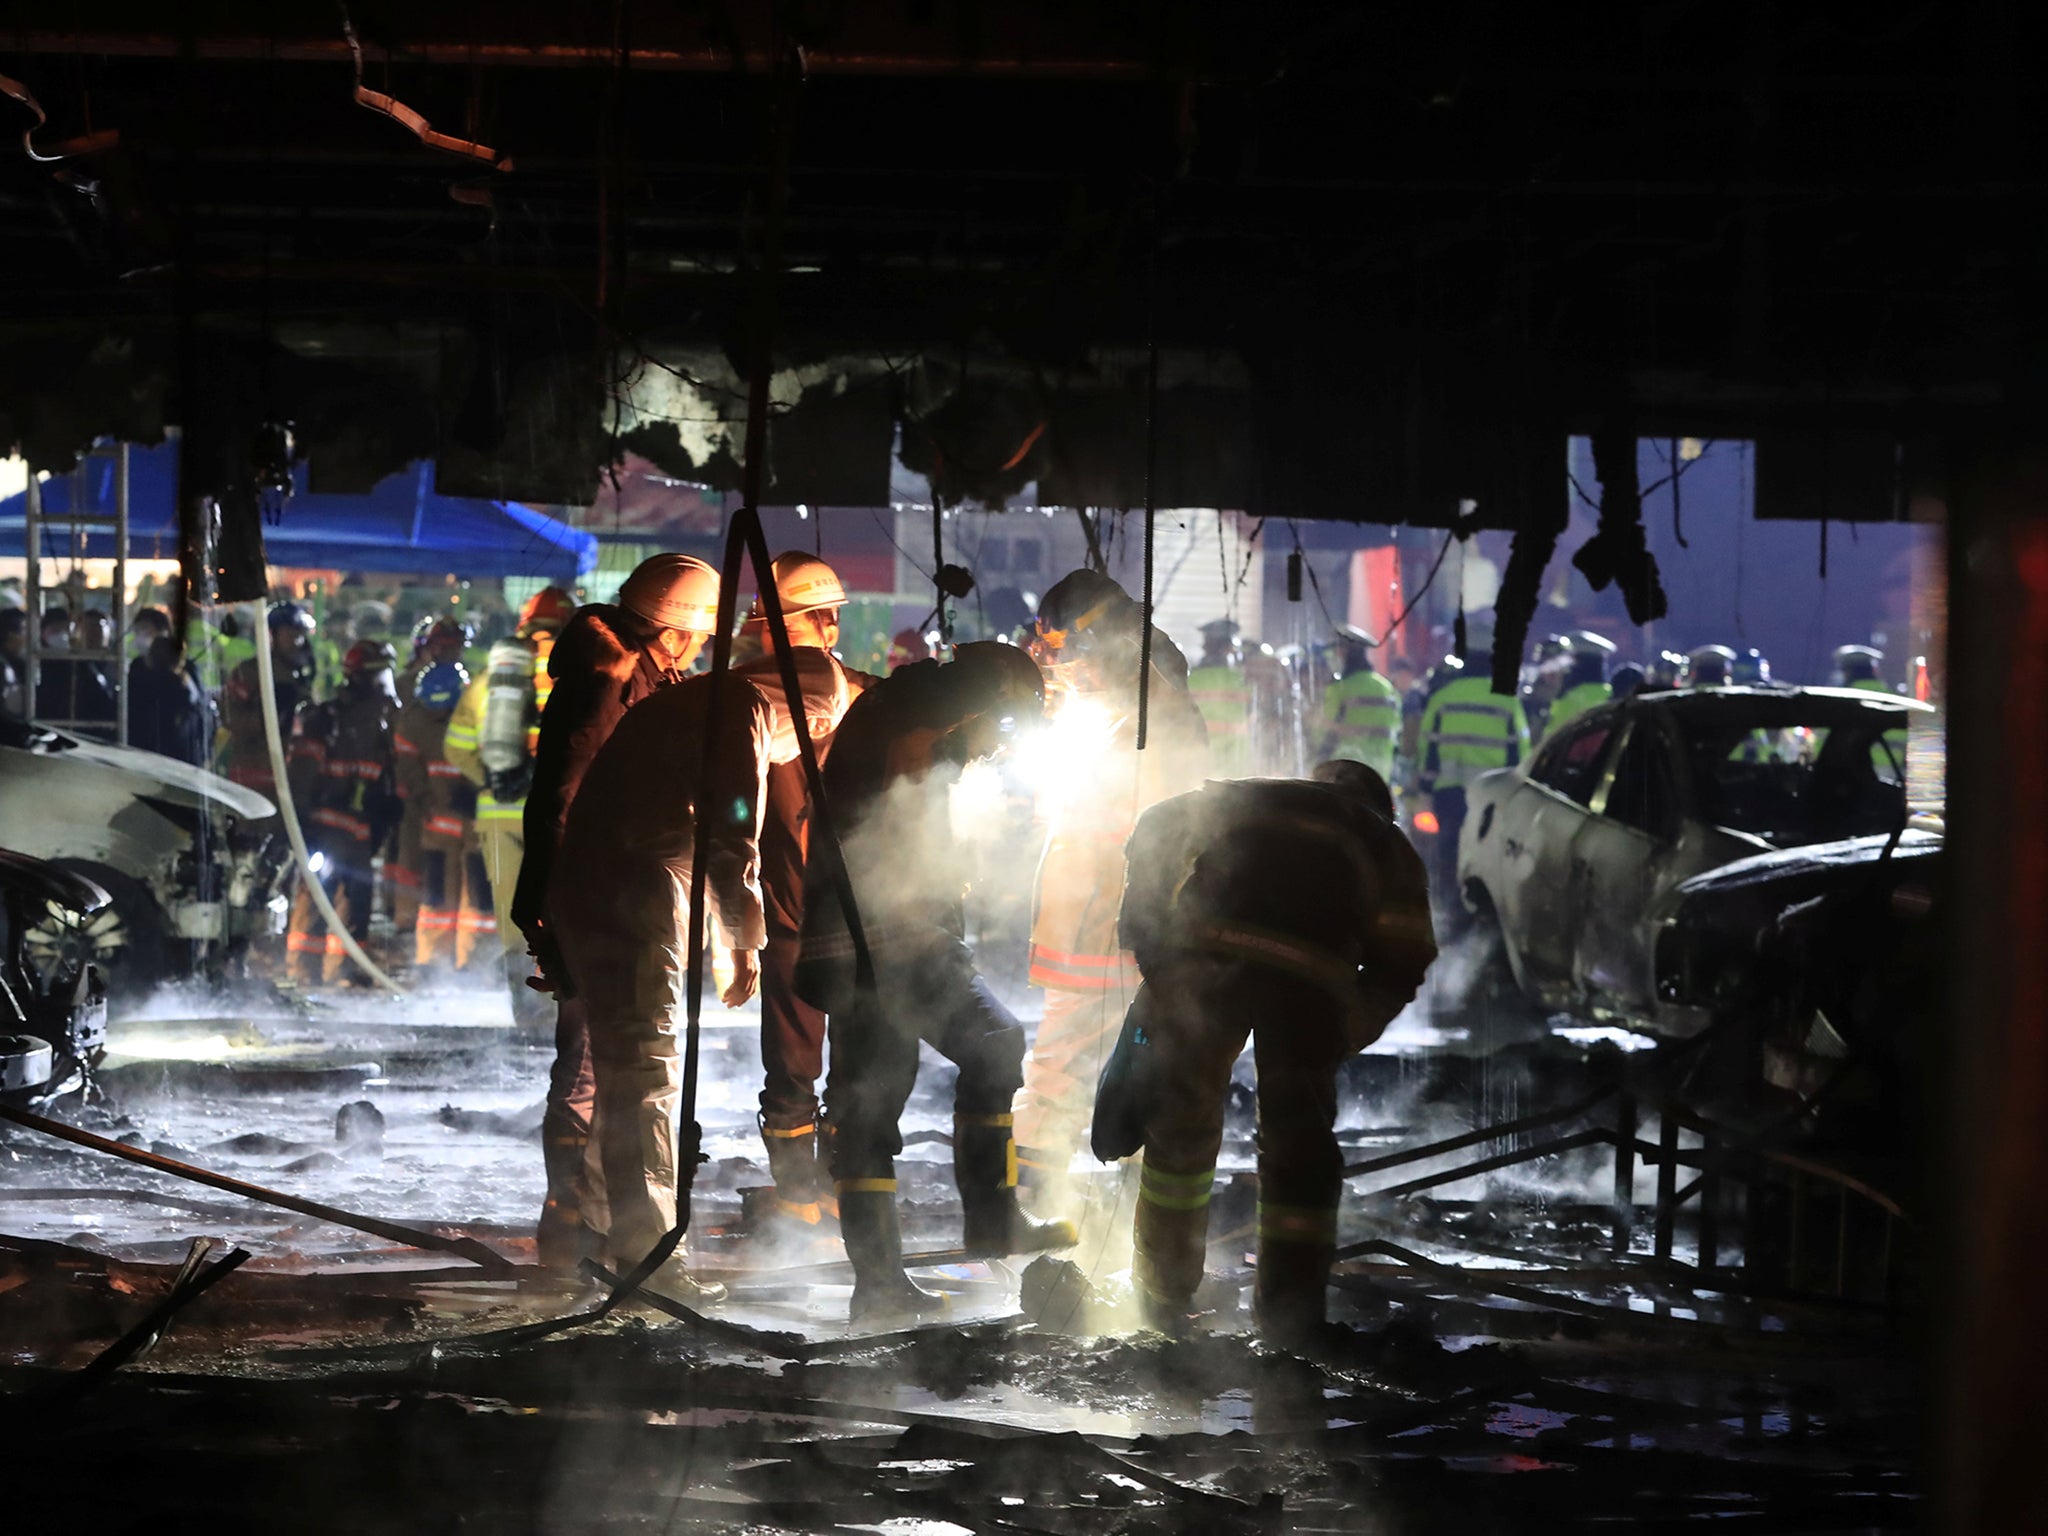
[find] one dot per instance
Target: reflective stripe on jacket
(1467, 730)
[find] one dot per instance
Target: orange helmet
(673, 592)
(548, 609)
(803, 583)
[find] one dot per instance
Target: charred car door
(1639, 842)
(1541, 824)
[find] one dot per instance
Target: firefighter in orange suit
(457, 923)
(618, 906)
(1293, 912)
(345, 783)
(1088, 640)
(609, 657)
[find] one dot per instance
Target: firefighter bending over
(898, 753)
(1292, 911)
(618, 906)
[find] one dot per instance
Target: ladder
(77, 521)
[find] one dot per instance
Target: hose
(288, 813)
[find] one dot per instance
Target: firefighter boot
(985, 1169)
(674, 1281)
(1289, 1293)
(793, 1164)
(882, 1293)
(563, 1238)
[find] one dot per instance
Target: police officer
(1292, 912)
(345, 783)
(1467, 730)
(491, 740)
(1585, 683)
(1750, 669)
(792, 1030)
(1087, 641)
(1710, 667)
(1220, 691)
(1857, 666)
(609, 658)
(899, 750)
(1664, 670)
(618, 904)
(1361, 709)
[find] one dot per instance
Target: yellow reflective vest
(1467, 730)
(1363, 711)
(1225, 701)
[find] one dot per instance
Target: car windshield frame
(1739, 781)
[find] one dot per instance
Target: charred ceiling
(1385, 262)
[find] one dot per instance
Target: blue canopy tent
(401, 527)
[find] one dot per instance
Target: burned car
(1565, 860)
(53, 1018)
(190, 873)
(1811, 967)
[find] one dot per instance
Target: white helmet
(803, 582)
(673, 592)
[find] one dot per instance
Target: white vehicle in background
(1571, 863)
(170, 844)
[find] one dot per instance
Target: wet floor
(1509, 1368)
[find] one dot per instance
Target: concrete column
(1987, 1197)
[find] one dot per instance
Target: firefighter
(1088, 640)
(1857, 667)
(1585, 684)
(1361, 709)
(345, 783)
(1709, 666)
(618, 903)
(1292, 912)
(792, 1031)
(898, 752)
(1223, 695)
(290, 629)
(1467, 730)
(609, 657)
(435, 638)
(491, 740)
(456, 919)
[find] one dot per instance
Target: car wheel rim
(63, 940)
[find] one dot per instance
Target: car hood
(1915, 844)
(166, 778)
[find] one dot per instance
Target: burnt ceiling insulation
(1317, 259)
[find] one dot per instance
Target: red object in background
(908, 647)
(1425, 822)
(1376, 599)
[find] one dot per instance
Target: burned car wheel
(124, 940)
